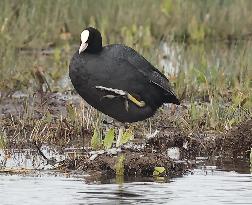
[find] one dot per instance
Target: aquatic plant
(119, 166)
(159, 171)
(109, 138)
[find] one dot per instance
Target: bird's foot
(152, 135)
(135, 101)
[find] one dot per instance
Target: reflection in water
(31, 159)
(206, 185)
(218, 187)
(27, 158)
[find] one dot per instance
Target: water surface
(200, 187)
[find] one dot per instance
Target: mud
(49, 118)
(237, 142)
(136, 164)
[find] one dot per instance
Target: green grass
(221, 77)
(210, 40)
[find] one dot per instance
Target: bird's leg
(122, 93)
(116, 91)
(119, 137)
(150, 133)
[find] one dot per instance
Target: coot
(117, 80)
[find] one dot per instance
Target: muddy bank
(233, 144)
(237, 142)
(63, 120)
(135, 164)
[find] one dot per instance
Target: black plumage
(118, 67)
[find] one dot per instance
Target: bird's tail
(172, 98)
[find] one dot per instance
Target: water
(35, 183)
(216, 187)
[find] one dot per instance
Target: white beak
(83, 47)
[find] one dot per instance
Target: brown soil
(61, 131)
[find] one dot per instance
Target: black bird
(117, 80)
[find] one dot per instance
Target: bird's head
(90, 41)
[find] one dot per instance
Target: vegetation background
(203, 46)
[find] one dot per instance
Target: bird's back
(153, 75)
